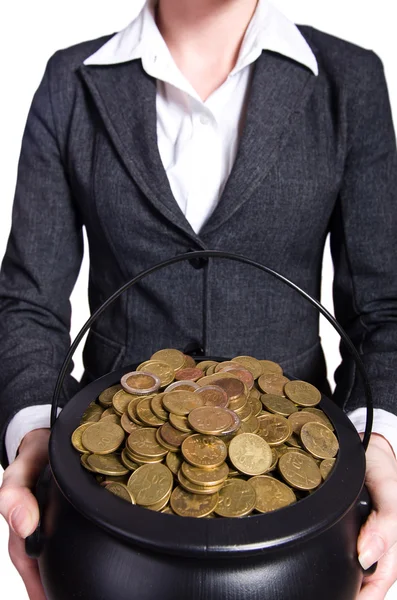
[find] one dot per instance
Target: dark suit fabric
(317, 155)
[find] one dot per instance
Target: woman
(204, 124)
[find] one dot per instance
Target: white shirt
(198, 140)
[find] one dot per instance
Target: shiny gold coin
(184, 385)
(299, 471)
(302, 393)
(210, 420)
(167, 510)
(174, 461)
(76, 437)
(120, 490)
(233, 387)
(103, 437)
(317, 439)
(143, 460)
(205, 451)
(105, 479)
(121, 400)
(140, 383)
(278, 405)
(185, 504)
(235, 426)
(84, 463)
(205, 477)
(238, 403)
(170, 435)
(174, 358)
(250, 454)
(107, 412)
(213, 395)
(188, 374)
(237, 498)
(190, 363)
(204, 364)
(321, 415)
(326, 467)
(164, 444)
(197, 489)
(150, 484)
(255, 404)
(161, 369)
(111, 419)
(144, 443)
(127, 425)
(92, 414)
(211, 370)
(268, 366)
(297, 420)
(275, 457)
(271, 494)
(245, 412)
(131, 411)
(145, 413)
(240, 373)
(181, 402)
(105, 398)
(180, 423)
(224, 364)
(251, 364)
(211, 379)
(272, 383)
(157, 407)
(127, 462)
(109, 464)
(251, 425)
(275, 429)
(255, 393)
(159, 506)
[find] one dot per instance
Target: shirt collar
(268, 29)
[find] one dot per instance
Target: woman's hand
(19, 507)
(378, 537)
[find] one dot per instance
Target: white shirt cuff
(385, 423)
(27, 419)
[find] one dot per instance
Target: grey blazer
(317, 155)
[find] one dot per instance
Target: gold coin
(188, 374)
(84, 463)
(168, 510)
(235, 426)
(205, 477)
(161, 369)
(211, 370)
(140, 383)
(317, 439)
(174, 461)
(105, 398)
(105, 479)
(197, 489)
(255, 393)
(251, 425)
(255, 404)
(107, 412)
(131, 411)
(109, 464)
(251, 364)
(127, 462)
(326, 467)
(186, 504)
(174, 358)
(302, 393)
(144, 443)
(92, 414)
(238, 403)
(76, 437)
(275, 457)
(204, 364)
(278, 405)
(205, 451)
(237, 498)
(213, 395)
(111, 419)
(271, 494)
(268, 366)
(190, 363)
(293, 441)
(165, 444)
(245, 412)
(241, 373)
(297, 420)
(184, 385)
(121, 400)
(159, 506)
(321, 415)
(127, 425)
(180, 423)
(181, 402)
(210, 379)
(275, 429)
(150, 484)
(250, 454)
(120, 490)
(272, 383)
(143, 460)
(145, 413)
(157, 407)
(299, 471)
(210, 420)
(170, 435)
(233, 387)
(103, 437)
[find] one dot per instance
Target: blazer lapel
(126, 99)
(280, 88)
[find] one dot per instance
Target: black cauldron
(92, 545)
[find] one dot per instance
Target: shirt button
(204, 120)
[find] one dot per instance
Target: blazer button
(197, 263)
(194, 348)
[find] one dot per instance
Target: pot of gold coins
(210, 478)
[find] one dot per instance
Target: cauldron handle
(204, 254)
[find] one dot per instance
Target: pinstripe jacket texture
(317, 155)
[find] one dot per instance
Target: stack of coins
(210, 439)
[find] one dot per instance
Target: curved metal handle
(236, 257)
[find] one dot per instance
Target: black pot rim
(205, 537)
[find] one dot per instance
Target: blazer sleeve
(39, 269)
(364, 243)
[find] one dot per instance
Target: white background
(32, 31)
